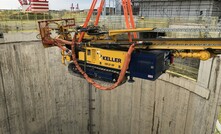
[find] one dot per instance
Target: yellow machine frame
(108, 58)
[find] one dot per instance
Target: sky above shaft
(53, 4)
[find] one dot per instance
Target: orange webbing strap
(99, 12)
(125, 8)
(96, 85)
(130, 10)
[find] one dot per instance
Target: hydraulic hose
(96, 85)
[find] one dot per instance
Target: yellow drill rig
(146, 54)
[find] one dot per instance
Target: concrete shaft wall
(38, 96)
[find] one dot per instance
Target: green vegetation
(29, 16)
(14, 20)
(17, 15)
(7, 15)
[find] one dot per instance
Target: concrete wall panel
(41, 96)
